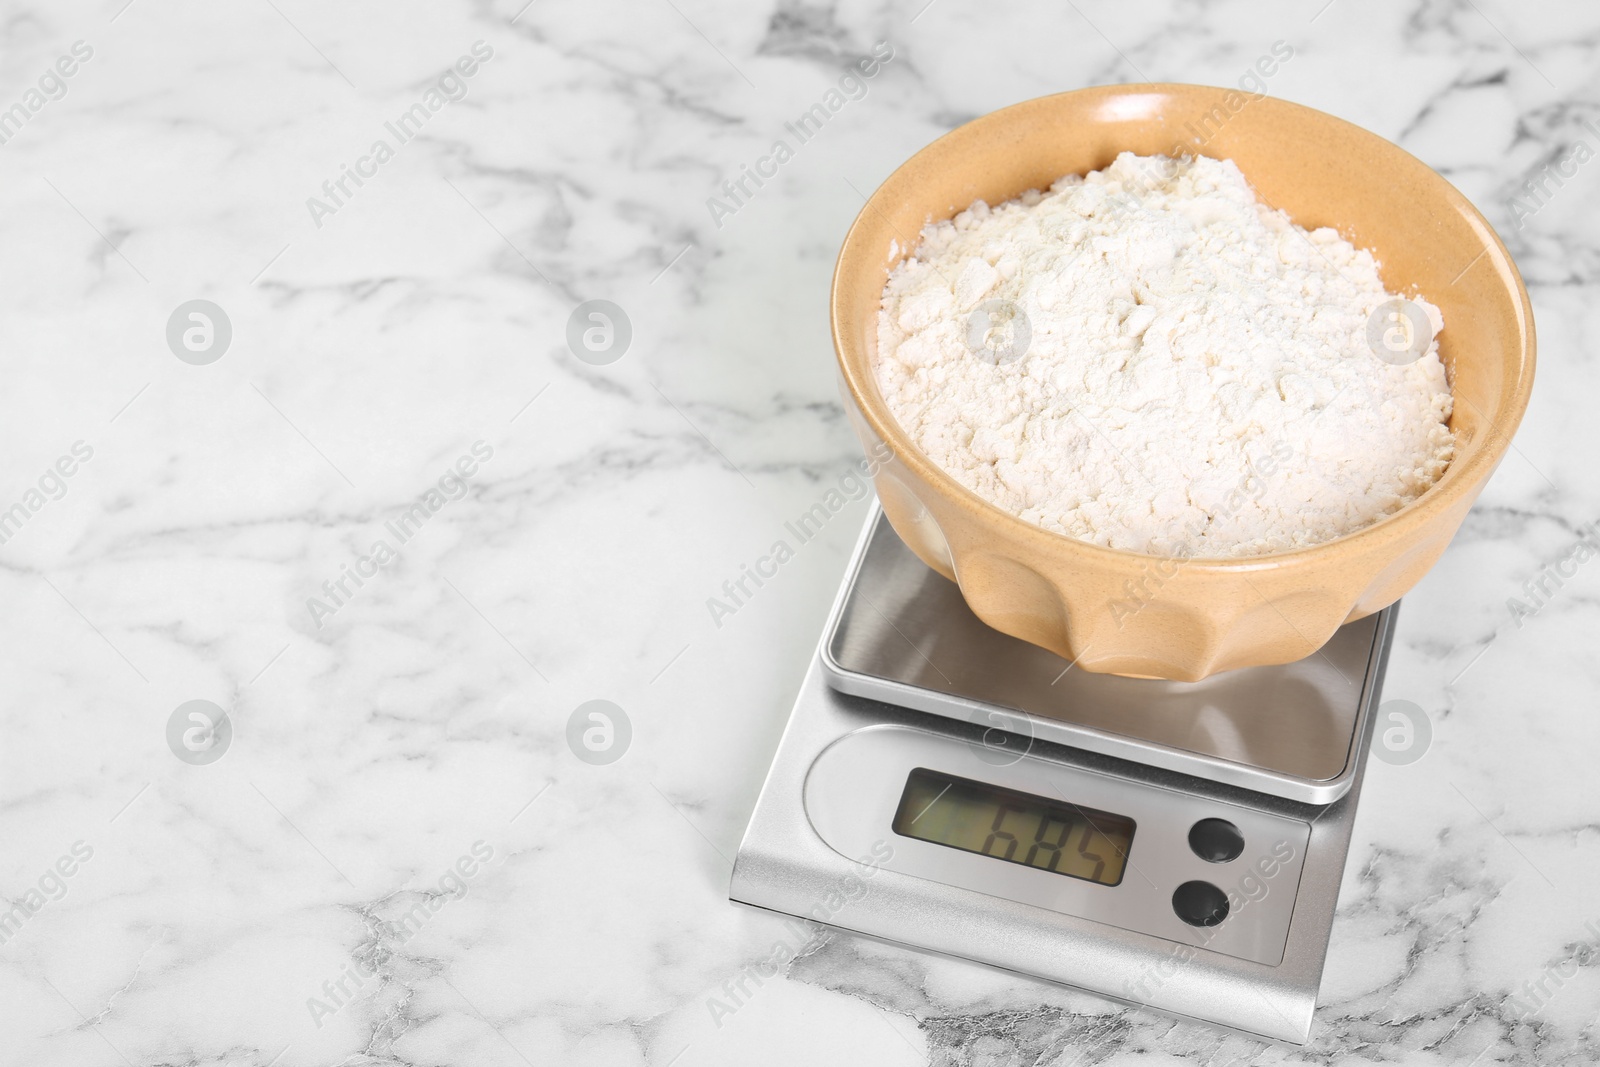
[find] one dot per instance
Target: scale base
(796, 860)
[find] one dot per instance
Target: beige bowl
(1125, 612)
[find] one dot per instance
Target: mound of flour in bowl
(1149, 358)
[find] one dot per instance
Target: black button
(1216, 840)
(1200, 904)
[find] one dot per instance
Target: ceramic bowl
(1195, 617)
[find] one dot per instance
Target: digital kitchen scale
(949, 788)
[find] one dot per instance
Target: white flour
(1194, 375)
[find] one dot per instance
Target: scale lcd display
(1054, 836)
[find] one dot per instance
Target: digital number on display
(1004, 824)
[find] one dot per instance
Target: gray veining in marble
(382, 749)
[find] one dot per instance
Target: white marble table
(398, 809)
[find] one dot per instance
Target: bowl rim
(1436, 499)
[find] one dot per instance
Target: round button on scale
(1216, 840)
(1200, 903)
